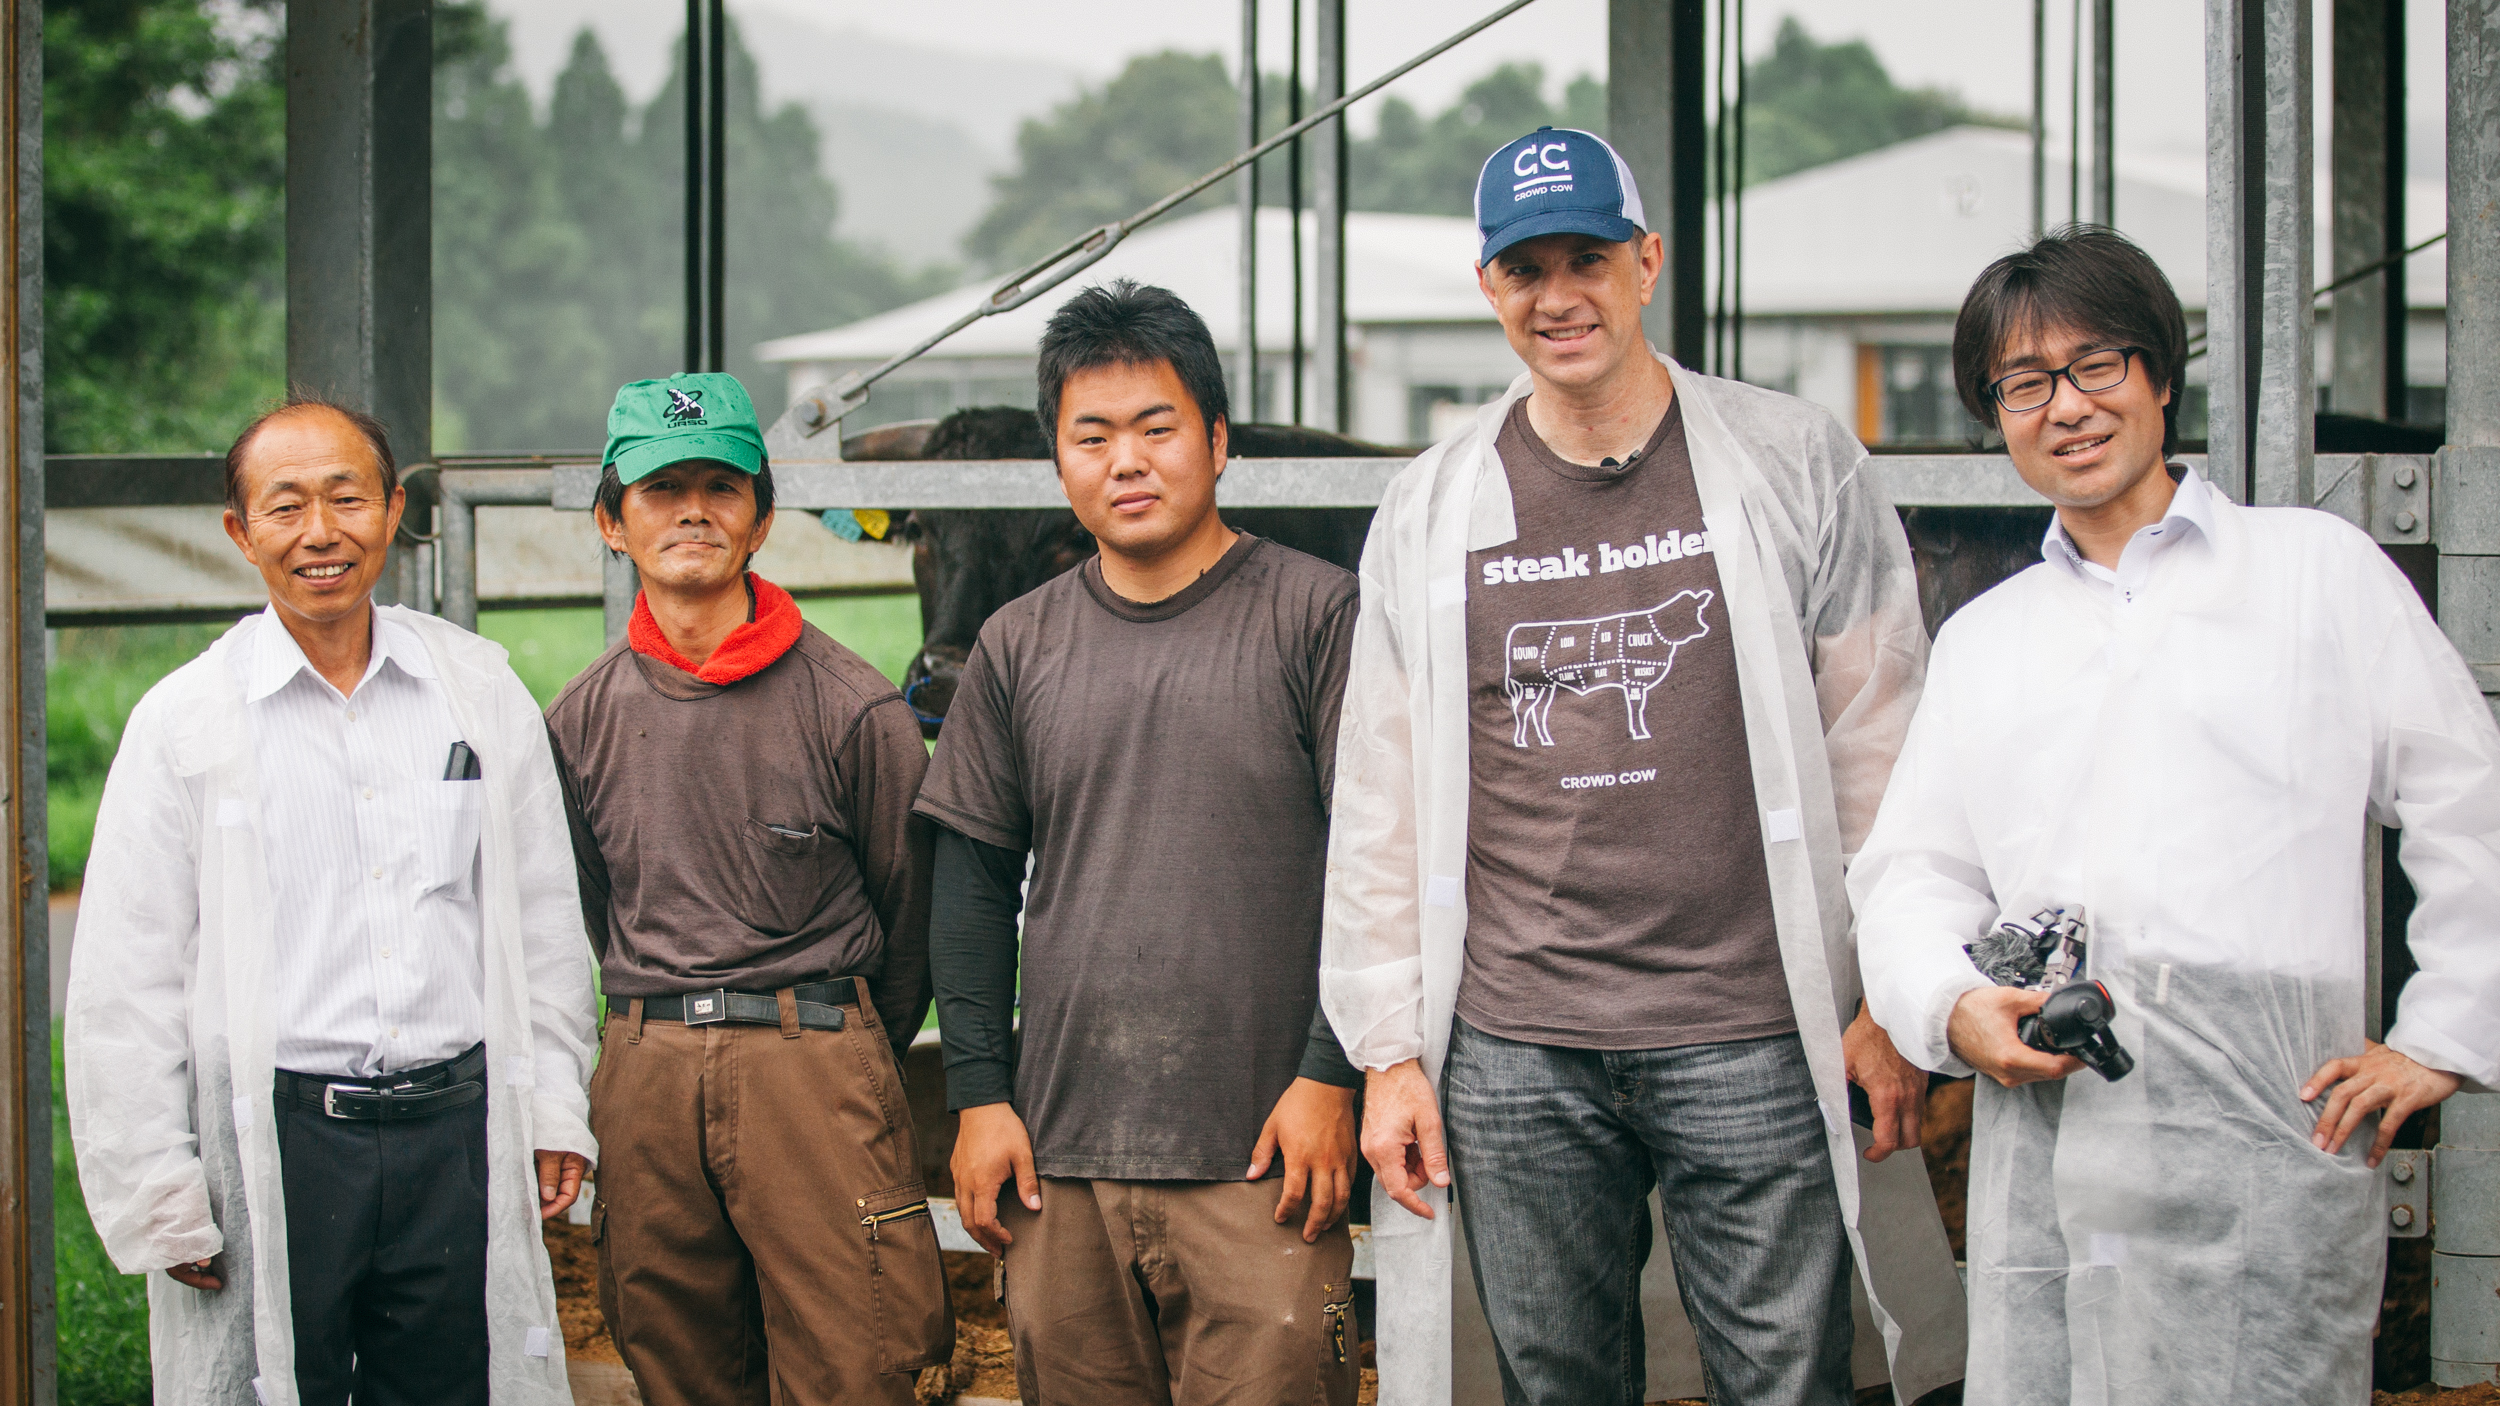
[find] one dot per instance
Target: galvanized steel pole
(1333, 398)
(2368, 196)
(2465, 1194)
(27, 1304)
(2039, 118)
(2258, 241)
(1660, 124)
(1246, 192)
(2104, 113)
(360, 225)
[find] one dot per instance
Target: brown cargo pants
(1176, 1293)
(763, 1232)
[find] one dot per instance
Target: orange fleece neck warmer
(750, 648)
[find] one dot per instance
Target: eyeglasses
(2025, 391)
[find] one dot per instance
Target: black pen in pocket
(461, 765)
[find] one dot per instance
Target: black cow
(969, 562)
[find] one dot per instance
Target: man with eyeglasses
(2174, 729)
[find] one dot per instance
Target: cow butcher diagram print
(1631, 653)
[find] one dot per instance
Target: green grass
(99, 675)
(103, 1328)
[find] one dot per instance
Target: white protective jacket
(170, 1034)
(2194, 767)
(1830, 650)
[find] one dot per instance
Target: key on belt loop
(707, 1007)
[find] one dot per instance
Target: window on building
(1906, 396)
(1433, 413)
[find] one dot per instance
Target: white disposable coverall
(1824, 609)
(2194, 767)
(169, 1031)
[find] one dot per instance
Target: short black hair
(2090, 278)
(376, 437)
(1129, 324)
(610, 497)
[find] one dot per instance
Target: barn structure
(359, 301)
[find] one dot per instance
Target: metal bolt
(2404, 476)
(2405, 520)
(2400, 1216)
(812, 414)
(2401, 1172)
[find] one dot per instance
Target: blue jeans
(1554, 1152)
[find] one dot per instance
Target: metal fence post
(618, 585)
(1333, 395)
(359, 223)
(2465, 1198)
(2258, 244)
(28, 1310)
(2368, 192)
(1246, 194)
(1661, 127)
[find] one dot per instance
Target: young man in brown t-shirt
(1157, 729)
(740, 787)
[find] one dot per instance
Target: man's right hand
(208, 1275)
(1402, 1134)
(990, 1147)
(1981, 1032)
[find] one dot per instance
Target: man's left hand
(559, 1181)
(2380, 1079)
(1314, 1126)
(1896, 1090)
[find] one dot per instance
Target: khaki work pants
(1176, 1293)
(757, 1235)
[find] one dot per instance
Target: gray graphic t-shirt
(1616, 893)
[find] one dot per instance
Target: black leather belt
(820, 1005)
(412, 1093)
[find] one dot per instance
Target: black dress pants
(386, 1256)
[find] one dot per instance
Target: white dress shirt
(2188, 519)
(372, 856)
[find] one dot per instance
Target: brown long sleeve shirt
(753, 835)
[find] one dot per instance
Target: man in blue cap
(740, 791)
(1636, 651)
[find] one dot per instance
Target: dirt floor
(984, 1364)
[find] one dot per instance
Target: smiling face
(2084, 451)
(689, 527)
(316, 519)
(1571, 303)
(1135, 458)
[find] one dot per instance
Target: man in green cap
(740, 790)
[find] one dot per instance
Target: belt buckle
(330, 1097)
(707, 1007)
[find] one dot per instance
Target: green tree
(164, 221)
(1167, 119)
(1429, 167)
(559, 245)
(1808, 103)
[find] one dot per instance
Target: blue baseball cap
(1555, 180)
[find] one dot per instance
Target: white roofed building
(1852, 274)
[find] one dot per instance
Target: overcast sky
(1977, 47)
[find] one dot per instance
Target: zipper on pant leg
(1335, 1313)
(882, 1218)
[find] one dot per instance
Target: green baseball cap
(695, 415)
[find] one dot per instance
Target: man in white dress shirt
(332, 884)
(2176, 725)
